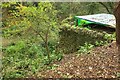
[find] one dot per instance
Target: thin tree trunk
(46, 43)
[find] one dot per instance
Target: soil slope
(102, 62)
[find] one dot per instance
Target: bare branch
(105, 7)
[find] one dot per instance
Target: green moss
(71, 38)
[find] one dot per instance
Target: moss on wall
(71, 38)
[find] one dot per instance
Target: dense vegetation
(33, 32)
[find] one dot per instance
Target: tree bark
(117, 16)
(46, 43)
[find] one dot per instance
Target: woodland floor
(102, 62)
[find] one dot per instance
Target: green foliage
(92, 7)
(15, 49)
(7, 4)
(110, 37)
(86, 48)
(35, 25)
(41, 20)
(101, 43)
(23, 59)
(118, 75)
(38, 27)
(13, 23)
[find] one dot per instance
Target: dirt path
(102, 62)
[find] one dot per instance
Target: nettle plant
(86, 48)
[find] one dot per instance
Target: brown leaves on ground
(102, 62)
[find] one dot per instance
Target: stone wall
(71, 38)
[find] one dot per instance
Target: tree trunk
(117, 16)
(46, 43)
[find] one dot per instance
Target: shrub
(23, 59)
(86, 48)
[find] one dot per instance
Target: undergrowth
(24, 59)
